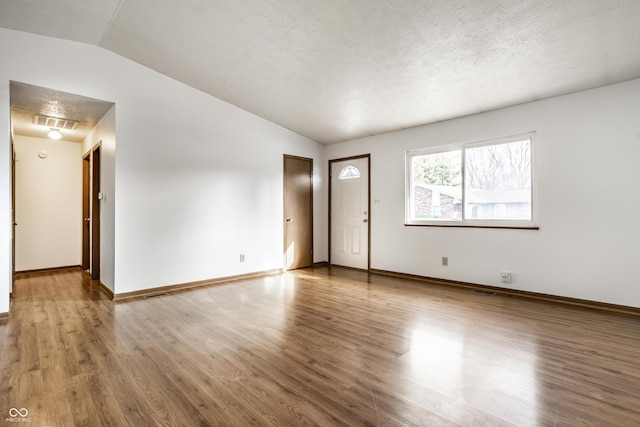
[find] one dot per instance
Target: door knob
(288, 219)
(87, 220)
(365, 220)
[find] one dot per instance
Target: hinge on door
(311, 174)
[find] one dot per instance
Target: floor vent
(479, 291)
(155, 295)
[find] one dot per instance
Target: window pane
(435, 186)
(349, 172)
(498, 181)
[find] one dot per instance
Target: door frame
(95, 210)
(86, 212)
(13, 215)
(344, 159)
(91, 194)
(284, 205)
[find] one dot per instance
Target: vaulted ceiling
(334, 70)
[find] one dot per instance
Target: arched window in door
(349, 172)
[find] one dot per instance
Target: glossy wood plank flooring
(312, 347)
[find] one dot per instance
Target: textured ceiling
(28, 100)
(335, 70)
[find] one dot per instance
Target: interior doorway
(298, 212)
(13, 214)
(86, 212)
(91, 196)
(49, 129)
(349, 212)
(96, 196)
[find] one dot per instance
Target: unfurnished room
(294, 212)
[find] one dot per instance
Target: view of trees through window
(499, 167)
(438, 169)
(492, 182)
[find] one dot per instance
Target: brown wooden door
(13, 213)
(86, 213)
(298, 212)
(95, 214)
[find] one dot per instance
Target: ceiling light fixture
(54, 134)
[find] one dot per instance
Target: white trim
(463, 146)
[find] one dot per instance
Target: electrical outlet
(241, 257)
(445, 261)
(505, 277)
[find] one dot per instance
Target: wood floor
(312, 347)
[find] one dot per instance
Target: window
(486, 183)
(349, 172)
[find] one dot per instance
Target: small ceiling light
(54, 134)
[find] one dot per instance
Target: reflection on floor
(312, 347)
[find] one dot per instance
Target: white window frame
(481, 223)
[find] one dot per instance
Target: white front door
(350, 213)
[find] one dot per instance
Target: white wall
(197, 181)
(587, 147)
(48, 204)
(6, 157)
(105, 134)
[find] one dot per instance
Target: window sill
(504, 227)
